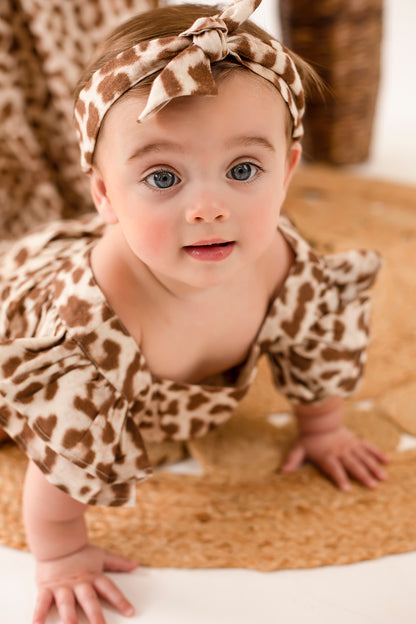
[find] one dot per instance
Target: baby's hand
(339, 453)
(78, 579)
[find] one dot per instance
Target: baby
(145, 322)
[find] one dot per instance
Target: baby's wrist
(312, 428)
(325, 417)
(59, 555)
(55, 540)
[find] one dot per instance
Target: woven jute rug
(241, 512)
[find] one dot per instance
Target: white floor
(375, 592)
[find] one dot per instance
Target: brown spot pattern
(113, 86)
(81, 399)
(76, 312)
(170, 83)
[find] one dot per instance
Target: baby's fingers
(117, 563)
(334, 469)
(88, 600)
(110, 592)
(362, 467)
(377, 453)
(65, 603)
(44, 602)
(295, 459)
(371, 463)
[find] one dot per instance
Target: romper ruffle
(75, 389)
(317, 330)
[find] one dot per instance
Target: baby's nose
(207, 208)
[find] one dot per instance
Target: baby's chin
(197, 280)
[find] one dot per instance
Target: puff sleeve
(319, 349)
(66, 385)
(71, 421)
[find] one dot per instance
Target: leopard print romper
(75, 390)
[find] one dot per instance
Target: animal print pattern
(43, 48)
(76, 392)
(186, 62)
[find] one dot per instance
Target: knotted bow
(185, 61)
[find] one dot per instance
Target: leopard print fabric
(185, 62)
(76, 392)
(44, 45)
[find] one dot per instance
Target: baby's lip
(209, 242)
(210, 250)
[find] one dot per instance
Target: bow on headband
(185, 62)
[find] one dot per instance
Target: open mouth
(213, 251)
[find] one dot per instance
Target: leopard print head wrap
(185, 61)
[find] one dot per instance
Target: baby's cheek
(153, 233)
(262, 222)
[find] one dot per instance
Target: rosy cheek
(152, 234)
(262, 221)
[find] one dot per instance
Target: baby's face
(197, 189)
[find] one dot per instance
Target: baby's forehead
(238, 90)
(237, 82)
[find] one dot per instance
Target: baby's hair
(170, 22)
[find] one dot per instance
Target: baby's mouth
(212, 250)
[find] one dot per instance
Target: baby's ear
(100, 197)
(293, 159)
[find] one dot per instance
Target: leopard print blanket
(43, 48)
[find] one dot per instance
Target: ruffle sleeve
(93, 450)
(318, 331)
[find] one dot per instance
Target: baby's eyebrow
(248, 141)
(239, 141)
(158, 146)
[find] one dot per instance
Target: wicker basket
(341, 39)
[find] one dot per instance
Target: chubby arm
(69, 570)
(54, 522)
(325, 441)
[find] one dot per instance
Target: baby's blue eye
(162, 179)
(242, 172)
